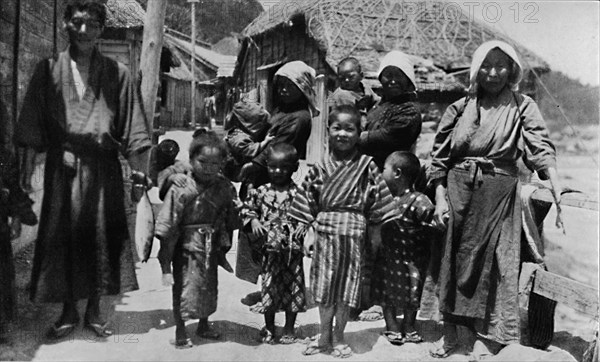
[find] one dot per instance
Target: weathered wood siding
(277, 46)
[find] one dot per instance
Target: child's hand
(167, 280)
(374, 232)
(440, 215)
(265, 142)
(309, 242)
(179, 179)
(258, 229)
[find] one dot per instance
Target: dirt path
(144, 326)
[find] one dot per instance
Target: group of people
(361, 214)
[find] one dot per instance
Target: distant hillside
(215, 19)
(580, 103)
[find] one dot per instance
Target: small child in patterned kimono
(195, 225)
(266, 213)
(401, 264)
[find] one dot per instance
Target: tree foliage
(579, 102)
(215, 19)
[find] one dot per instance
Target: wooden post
(192, 64)
(317, 149)
(150, 58)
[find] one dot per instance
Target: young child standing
(339, 196)
(402, 261)
(195, 226)
(265, 212)
(291, 122)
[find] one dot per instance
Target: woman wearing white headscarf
(474, 170)
(394, 123)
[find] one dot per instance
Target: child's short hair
(206, 138)
(92, 7)
(346, 109)
(284, 148)
(169, 148)
(351, 60)
(407, 162)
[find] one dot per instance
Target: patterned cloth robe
(83, 245)
(476, 153)
(338, 198)
(282, 270)
(195, 226)
(401, 264)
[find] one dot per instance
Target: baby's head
(401, 170)
(208, 153)
(282, 162)
(344, 129)
(349, 74)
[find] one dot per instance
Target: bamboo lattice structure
(437, 34)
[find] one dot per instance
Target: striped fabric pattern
(335, 269)
(341, 196)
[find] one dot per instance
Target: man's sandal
(58, 332)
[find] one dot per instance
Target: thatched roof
(124, 14)
(436, 31)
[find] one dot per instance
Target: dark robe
(392, 125)
(83, 246)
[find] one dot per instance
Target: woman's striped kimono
(338, 198)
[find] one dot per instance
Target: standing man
(81, 109)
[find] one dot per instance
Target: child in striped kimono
(265, 213)
(194, 226)
(401, 263)
(338, 198)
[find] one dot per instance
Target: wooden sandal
(413, 337)
(394, 338)
(443, 351)
(314, 348)
(341, 351)
(182, 343)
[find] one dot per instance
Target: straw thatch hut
(437, 34)
(123, 33)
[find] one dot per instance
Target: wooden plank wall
(279, 44)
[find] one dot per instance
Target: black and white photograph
(299, 180)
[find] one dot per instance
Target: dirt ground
(144, 324)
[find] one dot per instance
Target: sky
(563, 33)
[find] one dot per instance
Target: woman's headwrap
(400, 60)
(482, 52)
(303, 77)
(250, 117)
